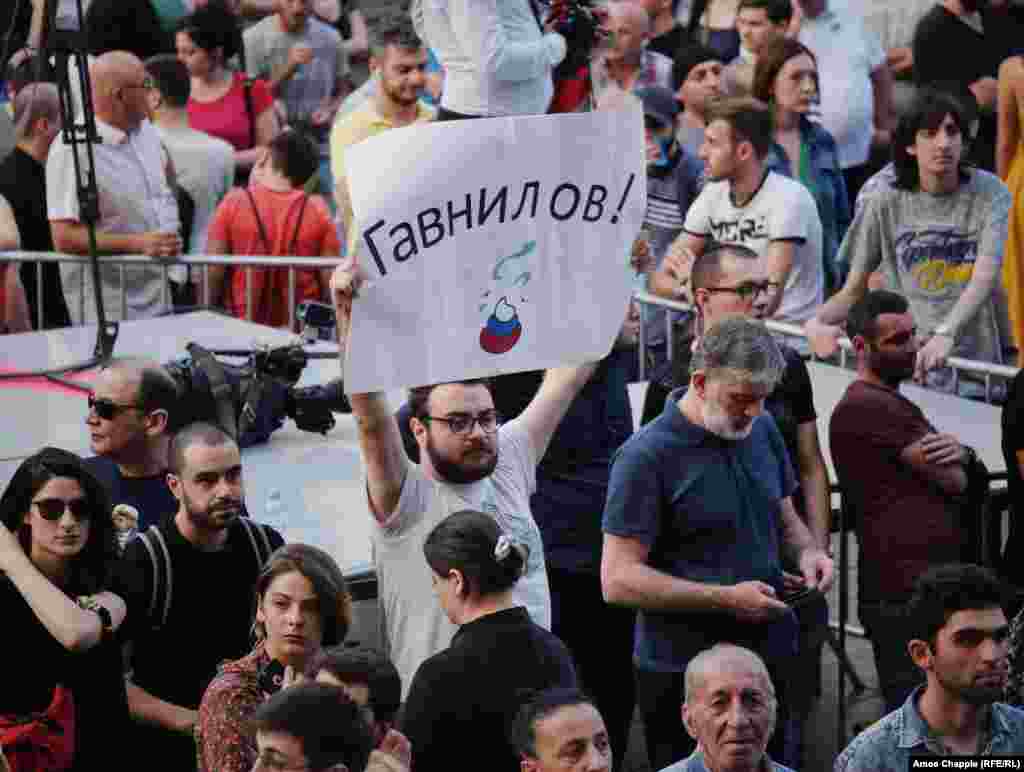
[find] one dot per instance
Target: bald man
(138, 212)
(23, 184)
(628, 65)
(129, 423)
(730, 712)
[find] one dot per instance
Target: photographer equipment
(581, 23)
(251, 400)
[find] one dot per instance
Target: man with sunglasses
(469, 460)
(959, 638)
(138, 211)
(745, 203)
(129, 414)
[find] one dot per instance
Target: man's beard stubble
(456, 472)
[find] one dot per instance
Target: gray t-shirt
(926, 246)
(266, 50)
(416, 625)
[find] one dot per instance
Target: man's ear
(688, 721)
(156, 423)
(174, 483)
(419, 429)
(526, 764)
(699, 382)
(921, 652)
(859, 343)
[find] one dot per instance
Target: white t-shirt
(134, 197)
(781, 210)
(416, 625)
(847, 54)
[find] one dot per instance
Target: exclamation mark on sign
(622, 201)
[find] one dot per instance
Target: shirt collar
(111, 135)
(695, 763)
(690, 433)
(914, 730)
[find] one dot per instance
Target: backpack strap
(259, 540)
(219, 387)
(250, 111)
(259, 220)
(163, 583)
(298, 225)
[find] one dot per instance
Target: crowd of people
(544, 570)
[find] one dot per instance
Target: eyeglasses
(106, 409)
(461, 423)
(748, 290)
(54, 509)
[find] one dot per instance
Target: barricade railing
(987, 371)
(249, 262)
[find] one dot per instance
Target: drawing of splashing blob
(505, 274)
(503, 328)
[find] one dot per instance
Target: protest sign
(492, 246)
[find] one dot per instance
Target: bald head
(632, 14)
(34, 102)
(630, 27)
(724, 658)
(117, 92)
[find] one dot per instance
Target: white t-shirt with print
(416, 625)
(781, 210)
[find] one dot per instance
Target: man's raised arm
(379, 439)
(549, 406)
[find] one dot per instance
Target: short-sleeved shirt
(655, 70)
(781, 210)
(134, 197)
(235, 224)
(904, 523)
(417, 627)
(267, 45)
(149, 496)
(927, 245)
(227, 117)
(709, 510)
(847, 54)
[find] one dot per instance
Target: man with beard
(468, 460)
(698, 515)
(903, 480)
(400, 60)
(958, 636)
(188, 585)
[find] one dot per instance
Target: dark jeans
(600, 639)
(886, 627)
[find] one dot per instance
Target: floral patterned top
(1014, 694)
(222, 740)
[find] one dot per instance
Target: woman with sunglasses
(57, 546)
(302, 603)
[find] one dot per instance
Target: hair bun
(502, 548)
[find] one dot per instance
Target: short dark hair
(467, 541)
(536, 708)
(688, 57)
(862, 318)
(295, 155)
(749, 119)
(366, 666)
(419, 397)
(926, 113)
(324, 719)
(395, 31)
(777, 11)
(193, 434)
(213, 26)
(172, 79)
(773, 59)
(333, 599)
(157, 388)
(941, 591)
(707, 268)
(90, 568)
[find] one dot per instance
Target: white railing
(984, 370)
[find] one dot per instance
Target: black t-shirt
(20, 28)
(150, 496)
(209, 622)
(23, 184)
(669, 43)
(1013, 441)
(37, 662)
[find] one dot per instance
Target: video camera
(582, 24)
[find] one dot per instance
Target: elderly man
(138, 212)
(730, 710)
(699, 512)
(628, 65)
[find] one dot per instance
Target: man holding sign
(468, 462)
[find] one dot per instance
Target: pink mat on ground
(45, 384)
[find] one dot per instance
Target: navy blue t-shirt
(150, 496)
(709, 509)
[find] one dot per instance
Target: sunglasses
(106, 409)
(54, 509)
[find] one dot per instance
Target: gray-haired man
(698, 513)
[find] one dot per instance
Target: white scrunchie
(502, 548)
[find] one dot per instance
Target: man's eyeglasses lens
(53, 509)
(106, 409)
(749, 290)
(463, 424)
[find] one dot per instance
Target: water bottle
(274, 513)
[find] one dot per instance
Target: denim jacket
(695, 763)
(829, 191)
(888, 745)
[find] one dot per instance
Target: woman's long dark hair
(90, 568)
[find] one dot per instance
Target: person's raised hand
(754, 602)
(640, 257)
(346, 281)
(397, 745)
(824, 338)
(932, 355)
(161, 244)
(299, 55)
(677, 264)
(817, 568)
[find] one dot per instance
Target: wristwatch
(93, 605)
